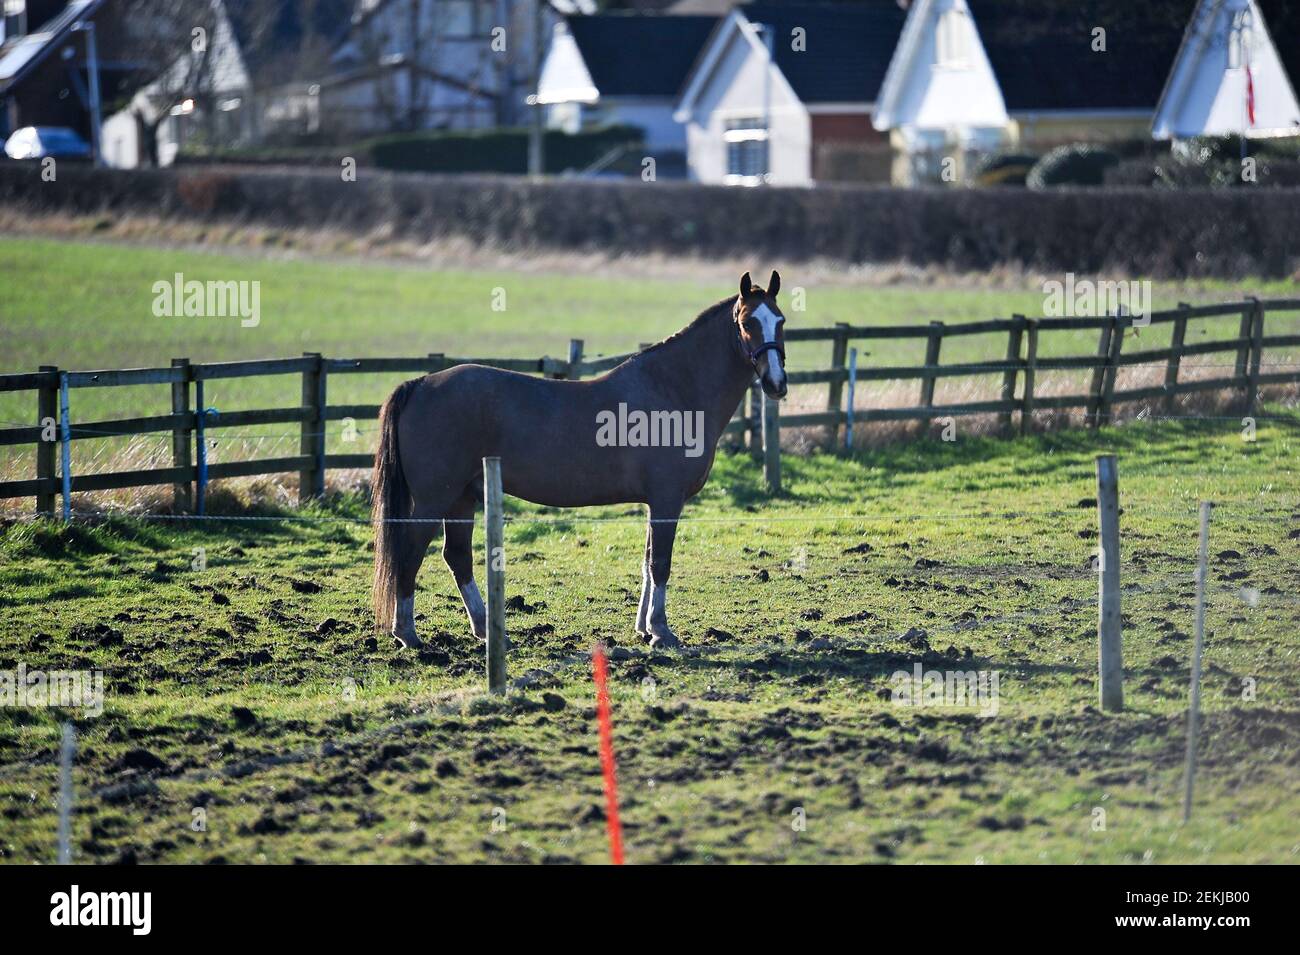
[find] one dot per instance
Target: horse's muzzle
(762, 361)
(773, 390)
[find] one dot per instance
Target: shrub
(1076, 164)
(1134, 172)
(1278, 172)
(209, 192)
(1177, 171)
(1003, 169)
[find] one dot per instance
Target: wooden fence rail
(756, 425)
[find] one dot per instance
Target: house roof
(20, 56)
(1041, 51)
(848, 46)
(629, 55)
(1204, 97)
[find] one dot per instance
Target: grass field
(82, 305)
(85, 305)
(250, 717)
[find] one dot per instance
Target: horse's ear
(745, 285)
(774, 284)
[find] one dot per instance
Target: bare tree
(175, 37)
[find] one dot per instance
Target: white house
(778, 88)
(435, 64)
(416, 64)
(1228, 78)
(620, 68)
(939, 91)
(205, 89)
(970, 76)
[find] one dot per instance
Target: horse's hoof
(409, 642)
(664, 640)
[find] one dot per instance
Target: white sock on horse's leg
(404, 622)
(474, 608)
(660, 633)
(643, 610)
(658, 603)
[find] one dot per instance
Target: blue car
(37, 142)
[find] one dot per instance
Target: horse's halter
(753, 355)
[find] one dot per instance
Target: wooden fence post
(1194, 704)
(1243, 350)
(1176, 339)
(835, 389)
(848, 408)
(1256, 356)
(47, 409)
(182, 491)
(437, 361)
(756, 397)
(1111, 370)
(494, 532)
(1031, 369)
(932, 345)
(201, 447)
(1014, 337)
(65, 446)
(1110, 656)
(311, 480)
(575, 359)
(736, 442)
(772, 444)
(1098, 374)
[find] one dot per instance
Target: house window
(1239, 37)
(950, 39)
(746, 139)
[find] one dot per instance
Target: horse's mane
(706, 316)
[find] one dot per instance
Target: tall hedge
(476, 151)
(496, 150)
(1138, 231)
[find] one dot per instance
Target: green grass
(250, 689)
(84, 305)
(798, 610)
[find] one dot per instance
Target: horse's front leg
(663, 531)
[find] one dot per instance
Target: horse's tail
(391, 499)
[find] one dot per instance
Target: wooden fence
(759, 425)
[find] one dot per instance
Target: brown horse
(646, 433)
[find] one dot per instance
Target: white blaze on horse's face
(770, 321)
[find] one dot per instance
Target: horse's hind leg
(458, 552)
(415, 536)
(643, 610)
